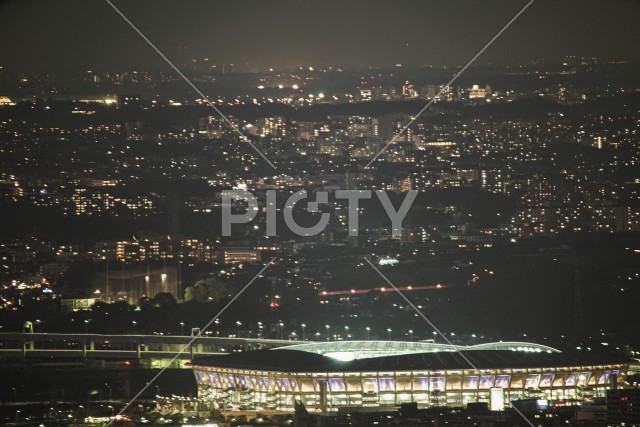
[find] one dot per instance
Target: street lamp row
(280, 325)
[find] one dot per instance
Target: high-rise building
(408, 91)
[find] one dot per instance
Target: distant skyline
(258, 34)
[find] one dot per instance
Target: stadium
(327, 376)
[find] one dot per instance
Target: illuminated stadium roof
(355, 350)
(302, 361)
(330, 375)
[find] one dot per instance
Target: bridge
(100, 350)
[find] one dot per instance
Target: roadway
(130, 346)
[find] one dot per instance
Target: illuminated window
(231, 380)
(306, 385)
(354, 384)
(215, 379)
(336, 385)
(403, 383)
(387, 384)
(503, 381)
(436, 383)
(571, 380)
(420, 383)
(583, 379)
(546, 380)
(532, 381)
(370, 385)
(471, 382)
(486, 381)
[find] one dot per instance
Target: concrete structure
(99, 350)
(333, 375)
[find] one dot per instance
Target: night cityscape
(320, 213)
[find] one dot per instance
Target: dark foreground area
(93, 385)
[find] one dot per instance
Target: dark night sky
(53, 35)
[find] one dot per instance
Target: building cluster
(136, 179)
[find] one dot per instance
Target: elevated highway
(64, 349)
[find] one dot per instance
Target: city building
(477, 92)
(5, 100)
(241, 254)
(623, 407)
(326, 376)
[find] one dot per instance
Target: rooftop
(371, 356)
(355, 350)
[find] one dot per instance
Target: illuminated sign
(496, 399)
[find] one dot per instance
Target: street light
(303, 334)
(38, 325)
(157, 390)
(346, 328)
(368, 329)
(15, 394)
(182, 328)
(281, 331)
(238, 323)
(328, 328)
(435, 335)
(389, 333)
(134, 323)
(411, 334)
(260, 326)
(86, 325)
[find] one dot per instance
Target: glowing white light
(344, 356)
(496, 399)
(388, 261)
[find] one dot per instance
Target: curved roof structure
(302, 361)
(513, 346)
(355, 350)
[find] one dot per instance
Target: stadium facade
(342, 374)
